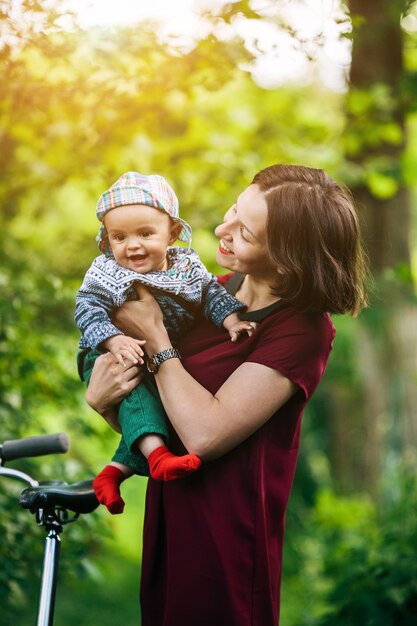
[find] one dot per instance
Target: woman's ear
(175, 232)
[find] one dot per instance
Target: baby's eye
(146, 233)
(118, 237)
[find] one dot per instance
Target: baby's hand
(123, 347)
(237, 327)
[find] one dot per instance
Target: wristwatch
(153, 362)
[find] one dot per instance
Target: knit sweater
(184, 291)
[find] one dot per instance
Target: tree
(378, 103)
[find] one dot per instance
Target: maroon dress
(212, 547)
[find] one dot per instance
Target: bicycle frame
(51, 504)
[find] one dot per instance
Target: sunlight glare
(175, 18)
(278, 57)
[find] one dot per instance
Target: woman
(213, 541)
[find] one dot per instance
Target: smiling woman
(243, 241)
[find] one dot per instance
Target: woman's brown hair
(313, 239)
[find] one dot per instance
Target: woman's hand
(110, 382)
(143, 319)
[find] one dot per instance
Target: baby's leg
(107, 486)
(142, 449)
(107, 483)
(143, 421)
(163, 465)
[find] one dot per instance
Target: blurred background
(206, 93)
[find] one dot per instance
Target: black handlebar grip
(34, 446)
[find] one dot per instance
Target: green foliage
(78, 108)
(114, 571)
(352, 561)
(379, 587)
(20, 552)
(372, 139)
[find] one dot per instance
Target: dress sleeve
(222, 279)
(297, 346)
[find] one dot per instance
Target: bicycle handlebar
(34, 446)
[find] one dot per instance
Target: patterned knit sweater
(184, 291)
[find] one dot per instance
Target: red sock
(163, 465)
(106, 486)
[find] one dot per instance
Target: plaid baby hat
(135, 188)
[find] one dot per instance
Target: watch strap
(156, 360)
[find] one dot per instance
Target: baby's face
(139, 236)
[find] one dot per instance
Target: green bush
(349, 561)
(375, 579)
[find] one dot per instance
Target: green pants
(140, 413)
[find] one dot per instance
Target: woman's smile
(223, 248)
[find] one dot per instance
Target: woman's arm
(208, 425)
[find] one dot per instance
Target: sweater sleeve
(217, 303)
(93, 306)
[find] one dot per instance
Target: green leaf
(381, 185)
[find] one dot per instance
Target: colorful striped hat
(135, 188)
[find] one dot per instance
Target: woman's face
(243, 241)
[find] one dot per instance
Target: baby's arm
(221, 308)
(94, 305)
(104, 289)
(217, 303)
(236, 326)
(123, 347)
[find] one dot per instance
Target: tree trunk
(377, 60)
(387, 332)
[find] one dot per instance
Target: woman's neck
(256, 293)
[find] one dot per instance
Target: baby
(139, 223)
